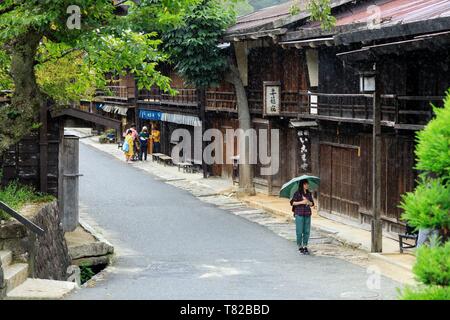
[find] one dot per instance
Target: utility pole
(377, 236)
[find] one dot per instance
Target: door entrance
(340, 179)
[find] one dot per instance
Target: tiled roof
(395, 11)
(263, 16)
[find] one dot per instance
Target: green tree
(428, 207)
(194, 50)
(193, 46)
(319, 11)
(38, 32)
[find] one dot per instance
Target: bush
(433, 265)
(86, 273)
(427, 293)
(428, 206)
(16, 195)
(434, 143)
(103, 139)
(110, 131)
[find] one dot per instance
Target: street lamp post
(369, 83)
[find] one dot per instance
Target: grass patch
(16, 196)
(86, 273)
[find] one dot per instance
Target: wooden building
(325, 112)
(117, 101)
(173, 112)
(48, 160)
(326, 109)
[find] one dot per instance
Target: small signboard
(150, 115)
(272, 98)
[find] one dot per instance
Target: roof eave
(393, 31)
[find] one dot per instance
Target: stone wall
(51, 258)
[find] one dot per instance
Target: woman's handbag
(126, 146)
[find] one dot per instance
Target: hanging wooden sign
(272, 98)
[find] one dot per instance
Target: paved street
(171, 245)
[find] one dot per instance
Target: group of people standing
(136, 144)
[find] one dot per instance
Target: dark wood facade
(266, 62)
(409, 82)
(21, 162)
(342, 157)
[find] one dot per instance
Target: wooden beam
(394, 31)
(86, 116)
(377, 231)
(201, 100)
(43, 150)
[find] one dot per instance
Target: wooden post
(377, 236)
(201, 98)
(43, 149)
(269, 142)
(136, 98)
(70, 200)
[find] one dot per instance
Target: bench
(196, 165)
(166, 160)
(410, 234)
(186, 166)
(156, 156)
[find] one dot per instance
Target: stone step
(396, 266)
(39, 289)
(5, 258)
(15, 275)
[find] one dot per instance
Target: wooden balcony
(402, 112)
(221, 101)
(121, 93)
(185, 97)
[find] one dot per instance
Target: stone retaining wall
(51, 258)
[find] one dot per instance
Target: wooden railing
(184, 97)
(221, 101)
(397, 109)
(115, 92)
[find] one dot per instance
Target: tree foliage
(433, 149)
(429, 207)
(320, 11)
(433, 265)
(36, 41)
(193, 46)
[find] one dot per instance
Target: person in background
(156, 135)
(143, 139)
(136, 144)
(128, 146)
(301, 203)
(134, 131)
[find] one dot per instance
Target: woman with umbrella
(302, 201)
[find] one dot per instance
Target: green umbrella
(289, 188)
